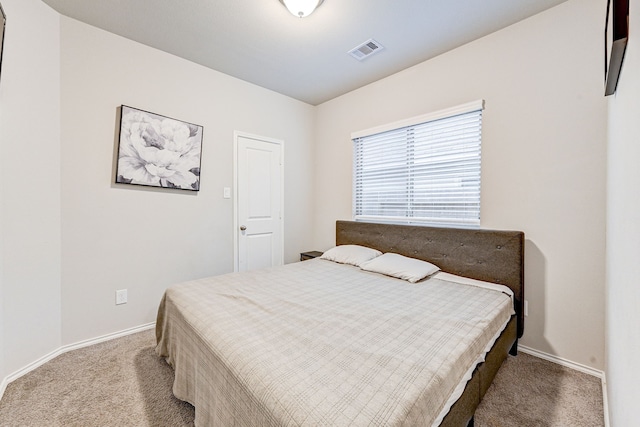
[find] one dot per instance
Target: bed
(320, 343)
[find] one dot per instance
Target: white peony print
(158, 151)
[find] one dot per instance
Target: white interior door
(258, 202)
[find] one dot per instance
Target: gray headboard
(490, 255)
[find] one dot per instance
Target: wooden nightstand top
(309, 255)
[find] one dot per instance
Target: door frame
(239, 134)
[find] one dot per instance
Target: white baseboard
(69, 347)
(605, 401)
(561, 361)
(578, 367)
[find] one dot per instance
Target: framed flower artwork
(158, 151)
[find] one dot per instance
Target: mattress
(319, 343)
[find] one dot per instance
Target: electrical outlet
(121, 296)
(526, 308)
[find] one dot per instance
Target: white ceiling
(259, 41)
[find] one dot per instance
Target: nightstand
(309, 255)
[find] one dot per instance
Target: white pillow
(350, 254)
(399, 266)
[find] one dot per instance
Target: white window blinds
(425, 172)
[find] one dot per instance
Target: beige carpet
(123, 383)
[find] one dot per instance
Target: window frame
(408, 125)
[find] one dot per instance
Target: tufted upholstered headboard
(489, 255)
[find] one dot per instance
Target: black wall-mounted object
(3, 21)
(616, 35)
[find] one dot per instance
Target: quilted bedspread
(316, 343)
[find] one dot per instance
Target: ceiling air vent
(366, 49)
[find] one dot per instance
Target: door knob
(243, 227)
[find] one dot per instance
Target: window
(421, 170)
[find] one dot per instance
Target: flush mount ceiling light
(301, 8)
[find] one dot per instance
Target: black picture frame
(158, 151)
(3, 22)
(616, 35)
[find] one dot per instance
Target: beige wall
(543, 158)
(623, 235)
(29, 184)
(70, 238)
(142, 239)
